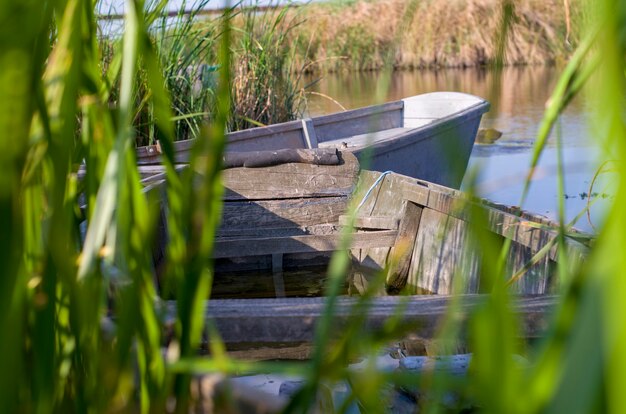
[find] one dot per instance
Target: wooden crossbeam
(257, 246)
(293, 320)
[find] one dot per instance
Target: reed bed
(366, 35)
(74, 226)
(266, 88)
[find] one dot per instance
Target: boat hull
(418, 233)
(439, 155)
(407, 236)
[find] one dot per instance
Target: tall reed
(188, 57)
(266, 88)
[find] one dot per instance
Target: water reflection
(518, 96)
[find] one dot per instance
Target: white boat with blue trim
(427, 136)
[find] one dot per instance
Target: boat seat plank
(256, 246)
(293, 320)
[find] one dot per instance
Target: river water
(517, 96)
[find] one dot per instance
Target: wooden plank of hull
(441, 254)
(505, 221)
(371, 223)
(291, 181)
(519, 227)
(257, 246)
(407, 188)
(294, 320)
(401, 253)
(443, 260)
(512, 224)
(398, 197)
(270, 216)
(540, 279)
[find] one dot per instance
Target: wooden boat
(416, 233)
(428, 136)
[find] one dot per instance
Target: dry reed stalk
(459, 33)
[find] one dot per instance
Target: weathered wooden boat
(418, 235)
(428, 136)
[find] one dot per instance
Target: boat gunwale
(414, 135)
(350, 114)
(482, 106)
(295, 125)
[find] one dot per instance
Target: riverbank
(368, 35)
